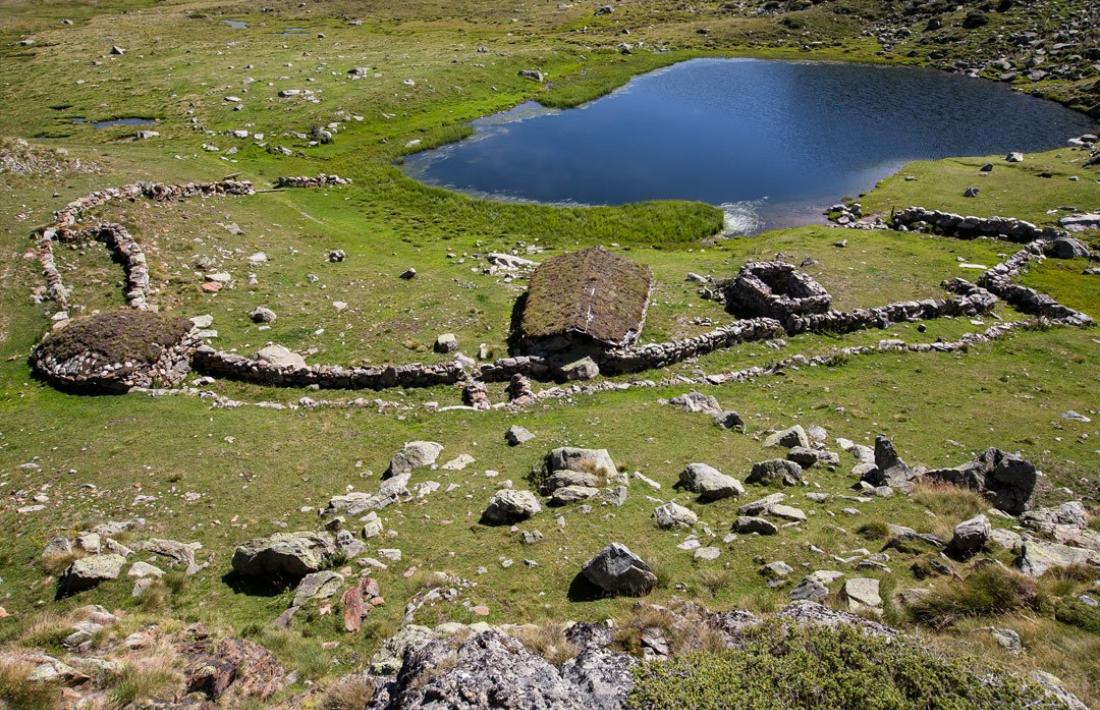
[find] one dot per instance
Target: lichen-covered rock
(284, 557)
(510, 506)
(594, 461)
(674, 515)
(969, 538)
(1007, 480)
(88, 572)
(414, 455)
(493, 670)
(114, 352)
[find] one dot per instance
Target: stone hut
(774, 289)
(584, 303)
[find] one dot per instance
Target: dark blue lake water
(774, 142)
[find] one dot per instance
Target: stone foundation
(321, 180)
(773, 289)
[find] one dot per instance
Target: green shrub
(1077, 613)
(988, 592)
(817, 667)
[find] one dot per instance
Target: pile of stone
(321, 180)
(128, 252)
(774, 289)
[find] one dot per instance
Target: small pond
(773, 142)
(236, 24)
(112, 122)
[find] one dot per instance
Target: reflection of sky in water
(782, 140)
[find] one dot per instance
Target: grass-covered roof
(591, 292)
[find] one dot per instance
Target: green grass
(258, 470)
(990, 591)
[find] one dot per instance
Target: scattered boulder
(317, 585)
(595, 461)
(788, 438)
(446, 343)
(88, 572)
(262, 314)
(281, 356)
(710, 483)
(673, 515)
(616, 570)
(517, 435)
(413, 455)
(969, 538)
(749, 524)
(510, 506)
(284, 557)
(561, 479)
(1068, 248)
(862, 594)
(1007, 480)
(775, 471)
(572, 494)
(583, 369)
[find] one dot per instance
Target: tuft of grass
(683, 633)
(547, 640)
(135, 683)
(349, 693)
(17, 690)
(949, 501)
(990, 591)
(876, 530)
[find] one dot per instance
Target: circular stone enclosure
(111, 353)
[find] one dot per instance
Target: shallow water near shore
(772, 142)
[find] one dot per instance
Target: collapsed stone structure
(774, 289)
(321, 180)
(115, 352)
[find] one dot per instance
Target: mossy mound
(115, 352)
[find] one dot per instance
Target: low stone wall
(655, 355)
(237, 367)
(999, 281)
(121, 243)
(321, 180)
(125, 249)
(956, 225)
(972, 300)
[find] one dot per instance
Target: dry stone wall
(968, 227)
(237, 367)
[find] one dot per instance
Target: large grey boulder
(1036, 557)
(674, 515)
(1007, 480)
(617, 570)
(572, 494)
(88, 572)
(710, 483)
(969, 538)
(1068, 248)
(775, 471)
(595, 461)
(749, 524)
(561, 479)
(510, 506)
(284, 557)
(788, 438)
(413, 455)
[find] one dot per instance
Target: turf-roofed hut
(583, 304)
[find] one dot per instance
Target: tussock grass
(19, 692)
(990, 591)
(547, 640)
